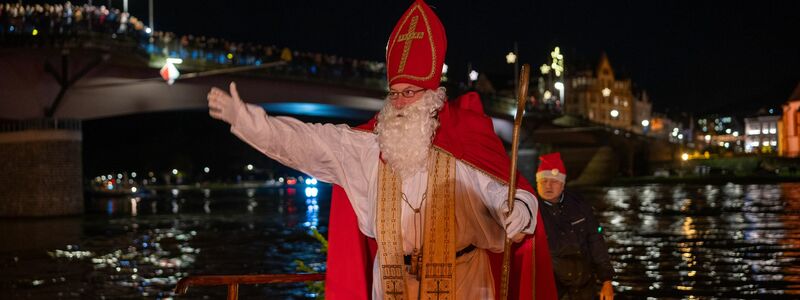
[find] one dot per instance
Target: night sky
(696, 56)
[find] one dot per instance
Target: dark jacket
(579, 252)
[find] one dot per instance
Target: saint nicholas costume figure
(419, 207)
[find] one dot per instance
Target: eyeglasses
(405, 93)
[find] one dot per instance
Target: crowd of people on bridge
(39, 24)
(64, 19)
(202, 49)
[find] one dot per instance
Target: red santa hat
(551, 166)
(415, 51)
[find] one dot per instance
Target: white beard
(405, 135)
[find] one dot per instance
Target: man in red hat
(579, 251)
(420, 204)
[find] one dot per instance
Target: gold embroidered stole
(438, 246)
(389, 235)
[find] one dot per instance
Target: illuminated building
(789, 127)
(723, 131)
(761, 134)
(599, 96)
(662, 126)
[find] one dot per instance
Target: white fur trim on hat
(552, 174)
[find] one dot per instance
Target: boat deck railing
(233, 281)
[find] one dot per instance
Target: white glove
(224, 106)
(515, 222)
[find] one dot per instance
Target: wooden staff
(522, 94)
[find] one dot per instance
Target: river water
(666, 241)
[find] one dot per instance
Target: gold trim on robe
(438, 245)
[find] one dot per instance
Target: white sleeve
(314, 149)
(494, 195)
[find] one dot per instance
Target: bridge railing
(299, 65)
(40, 124)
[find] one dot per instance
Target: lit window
(773, 143)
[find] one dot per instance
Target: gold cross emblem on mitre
(407, 38)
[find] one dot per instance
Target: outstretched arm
(314, 149)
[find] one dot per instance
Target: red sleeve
(349, 266)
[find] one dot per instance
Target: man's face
(400, 100)
(549, 189)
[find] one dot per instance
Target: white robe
(349, 158)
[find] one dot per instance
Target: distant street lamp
(645, 126)
(614, 113)
(560, 87)
(544, 69)
(511, 58)
(473, 75)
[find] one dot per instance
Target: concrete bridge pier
(41, 168)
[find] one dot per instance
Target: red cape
(467, 133)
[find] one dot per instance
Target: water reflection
(129, 251)
(666, 242)
(690, 241)
(207, 201)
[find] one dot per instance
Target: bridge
(87, 83)
(49, 83)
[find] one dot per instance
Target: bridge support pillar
(41, 168)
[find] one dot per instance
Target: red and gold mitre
(416, 48)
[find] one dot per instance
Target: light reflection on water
(136, 247)
(702, 241)
(666, 241)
